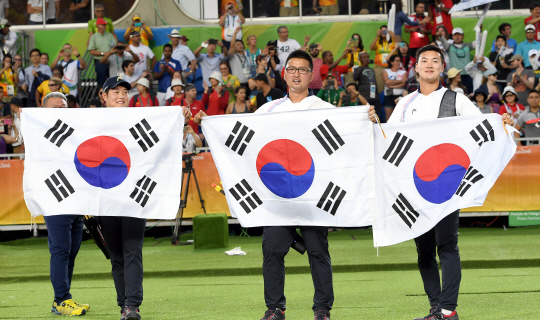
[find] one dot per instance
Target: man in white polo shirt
(432, 101)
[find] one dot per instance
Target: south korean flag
(312, 168)
(103, 162)
(426, 170)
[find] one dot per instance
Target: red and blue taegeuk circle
(286, 168)
(103, 161)
(439, 171)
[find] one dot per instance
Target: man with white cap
(524, 47)
(177, 87)
(520, 78)
(215, 98)
(534, 18)
(459, 53)
(535, 63)
(181, 51)
(510, 104)
(143, 98)
(477, 68)
(209, 62)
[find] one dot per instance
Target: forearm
(95, 52)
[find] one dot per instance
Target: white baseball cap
(176, 82)
(530, 26)
(533, 52)
(457, 30)
(216, 75)
(144, 82)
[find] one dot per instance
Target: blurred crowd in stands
(239, 77)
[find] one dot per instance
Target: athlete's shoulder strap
(448, 104)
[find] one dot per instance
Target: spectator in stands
(129, 75)
(510, 104)
(355, 46)
(240, 64)
(101, 98)
(191, 140)
(325, 8)
(454, 81)
(438, 13)
(530, 43)
(209, 62)
(411, 85)
(143, 98)
(182, 53)
(480, 97)
(177, 87)
(163, 72)
(230, 22)
(170, 92)
(72, 101)
(34, 76)
(382, 48)
(94, 103)
(240, 104)
(520, 78)
(288, 8)
(330, 91)
(15, 138)
(44, 58)
(407, 61)
(394, 81)
(147, 60)
(81, 10)
(116, 56)
(267, 93)
(189, 100)
(316, 81)
(499, 57)
(505, 30)
(529, 119)
(35, 9)
(20, 92)
(534, 19)
(230, 81)
(252, 52)
(99, 12)
(476, 69)
(460, 54)
(419, 34)
(350, 97)
(53, 11)
(100, 43)
(70, 67)
(140, 27)
(365, 77)
(402, 19)
(444, 33)
(331, 67)
(9, 77)
(533, 60)
(285, 46)
(262, 67)
(215, 98)
(494, 96)
(51, 85)
(4, 9)
(7, 36)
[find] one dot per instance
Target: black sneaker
(434, 309)
(130, 313)
(322, 315)
(440, 316)
(274, 314)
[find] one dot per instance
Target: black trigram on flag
(405, 210)
(483, 133)
(240, 137)
(398, 149)
(472, 176)
(328, 137)
(143, 190)
(58, 133)
(244, 194)
(331, 198)
(144, 135)
(59, 186)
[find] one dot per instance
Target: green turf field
(501, 279)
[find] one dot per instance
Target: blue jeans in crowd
(65, 236)
(102, 72)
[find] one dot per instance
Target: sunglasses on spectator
(530, 31)
(53, 85)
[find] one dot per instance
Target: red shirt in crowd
(408, 63)
(513, 107)
(214, 104)
(336, 72)
(316, 82)
(418, 40)
(194, 107)
(536, 25)
(139, 101)
(441, 18)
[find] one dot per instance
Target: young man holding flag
(432, 101)
(278, 239)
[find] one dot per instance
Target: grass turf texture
(501, 279)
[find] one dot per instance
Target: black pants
(124, 237)
(442, 239)
(275, 244)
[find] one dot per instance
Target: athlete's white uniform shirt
(285, 104)
(416, 107)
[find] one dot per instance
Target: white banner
(312, 167)
(103, 162)
(426, 170)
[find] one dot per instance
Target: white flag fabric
(312, 167)
(426, 170)
(103, 162)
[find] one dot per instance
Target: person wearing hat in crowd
(70, 67)
(100, 43)
(229, 23)
(534, 18)
(163, 72)
(267, 93)
(240, 104)
(177, 87)
(7, 36)
(480, 98)
(216, 97)
(138, 26)
(182, 53)
(459, 53)
(170, 92)
(143, 98)
(510, 103)
(524, 47)
(81, 10)
(520, 78)
(534, 63)
(529, 120)
(476, 69)
(147, 59)
(99, 12)
(209, 62)
(116, 57)
(494, 96)
(454, 80)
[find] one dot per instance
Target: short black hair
(429, 47)
(393, 58)
(238, 89)
(533, 91)
(44, 54)
(300, 54)
(501, 37)
(167, 45)
(325, 53)
(71, 98)
(125, 64)
(7, 55)
(383, 26)
(95, 102)
(35, 50)
(503, 26)
(534, 5)
(351, 84)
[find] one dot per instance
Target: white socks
(446, 312)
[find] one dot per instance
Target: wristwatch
(78, 56)
(101, 52)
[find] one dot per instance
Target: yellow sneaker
(67, 308)
(81, 305)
